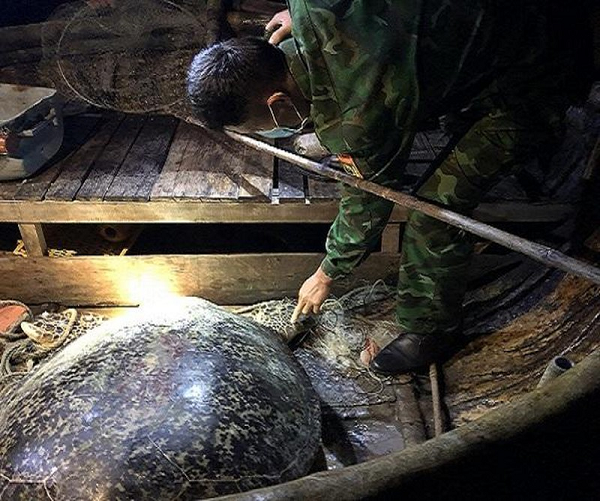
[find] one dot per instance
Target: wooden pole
(436, 399)
(538, 252)
(34, 240)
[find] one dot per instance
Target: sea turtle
(183, 401)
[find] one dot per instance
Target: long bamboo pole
(538, 252)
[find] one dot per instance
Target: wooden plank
(290, 182)
(20, 45)
(205, 165)
(107, 311)
(165, 184)
(130, 280)
(415, 170)
(145, 159)
(319, 191)
(110, 159)
(437, 140)
(119, 311)
(8, 189)
(421, 149)
(71, 177)
(21, 37)
(256, 178)
(211, 186)
(12, 211)
(166, 211)
(390, 238)
(208, 169)
(34, 240)
(78, 130)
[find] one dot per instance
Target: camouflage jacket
(374, 70)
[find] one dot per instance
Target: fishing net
(41, 337)
(340, 332)
(126, 55)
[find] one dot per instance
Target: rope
(37, 335)
(45, 334)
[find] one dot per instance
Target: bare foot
(369, 352)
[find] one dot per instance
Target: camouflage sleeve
(361, 68)
(355, 231)
(361, 216)
(361, 71)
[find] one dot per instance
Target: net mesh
(39, 339)
(337, 336)
(339, 333)
(125, 55)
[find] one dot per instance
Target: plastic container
(31, 129)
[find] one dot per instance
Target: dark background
(26, 11)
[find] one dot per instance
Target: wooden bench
(142, 169)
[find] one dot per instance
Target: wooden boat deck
(155, 169)
(144, 169)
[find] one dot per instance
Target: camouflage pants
(507, 133)
(436, 256)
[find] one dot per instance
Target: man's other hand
(282, 24)
(312, 294)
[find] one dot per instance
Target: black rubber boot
(410, 352)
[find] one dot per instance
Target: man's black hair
(225, 76)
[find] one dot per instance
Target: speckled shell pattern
(181, 401)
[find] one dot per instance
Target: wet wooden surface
(118, 157)
(132, 168)
(512, 344)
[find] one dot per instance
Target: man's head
(230, 83)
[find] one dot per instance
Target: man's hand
(312, 294)
(282, 24)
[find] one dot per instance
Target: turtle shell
(182, 401)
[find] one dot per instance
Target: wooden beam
(34, 240)
(131, 280)
(165, 212)
(23, 211)
(68, 181)
(390, 238)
